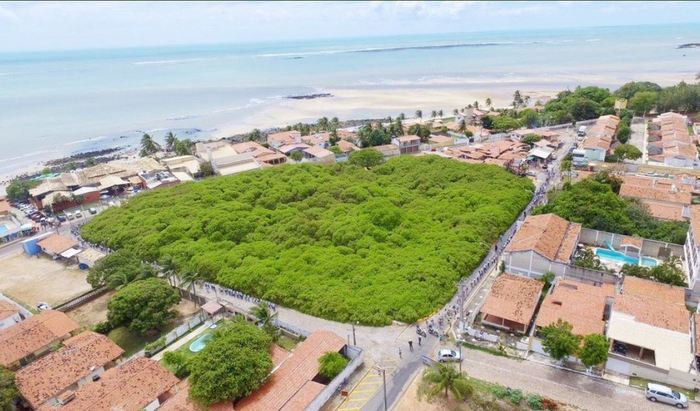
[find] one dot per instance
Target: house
(4, 207)
(691, 249)
(438, 141)
(388, 150)
(188, 164)
(346, 147)
(9, 314)
(670, 141)
(261, 154)
(288, 149)
(226, 161)
(57, 245)
(276, 140)
(32, 337)
(600, 137)
(511, 303)
(293, 385)
(157, 179)
(649, 329)
(82, 360)
(505, 153)
(666, 199)
(318, 154)
(543, 243)
(318, 139)
(580, 304)
(407, 144)
(348, 135)
(139, 384)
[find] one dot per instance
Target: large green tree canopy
(340, 242)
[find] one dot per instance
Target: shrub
(103, 327)
(178, 363)
(515, 396)
(534, 401)
(155, 346)
(331, 364)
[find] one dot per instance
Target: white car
(446, 355)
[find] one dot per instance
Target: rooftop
(49, 376)
(547, 234)
(33, 334)
(284, 137)
(581, 305)
(602, 133)
(130, 386)
(513, 297)
(57, 243)
(7, 309)
(318, 152)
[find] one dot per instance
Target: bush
(339, 242)
(367, 157)
(515, 396)
(178, 363)
(331, 364)
(534, 401)
(9, 394)
(155, 346)
(143, 305)
(103, 327)
(118, 269)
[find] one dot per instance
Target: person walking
(410, 345)
(419, 340)
(400, 353)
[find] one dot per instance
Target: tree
(255, 135)
(476, 104)
(488, 102)
(421, 131)
(143, 306)
(623, 133)
(296, 155)
(531, 139)
(517, 99)
(433, 114)
(628, 90)
(584, 109)
(183, 147)
(188, 280)
(148, 145)
(170, 140)
(8, 390)
(440, 113)
(547, 279)
(586, 258)
(668, 272)
(331, 364)
(117, 269)
(206, 169)
(594, 351)
(442, 378)
(18, 190)
(455, 112)
(504, 123)
(402, 116)
(177, 362)
(233, 364)
(419, 113)
(266, 319)
(367, 157)
(558, 341)
(643, 101)
(627, 151)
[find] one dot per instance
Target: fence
(81, 299)
(357, 358)
(651, 248)
(178, 332)
(481, 335)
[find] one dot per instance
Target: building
(157, 179)
(407, 144)
(261, 154)
(666, 198)
(318, 154)
(288, 149)
(140, 384)
(83, 359)
(580, 304)
(9, 314)
(670, 141)
(57, 245)
(505, 153)
(388, 150)
(649, 329)
(691, 249)
(543, 243)
(511, 303)
(31, 338)
(600, 137)
(346, 147)
(438, 141)
(4, 207)
(283, 138)
(188, 164)
(292, 386)
(226, 161)
(321, 139)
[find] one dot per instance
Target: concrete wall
(533, 265)
(632, 368)
(650, 248)
(356, 356)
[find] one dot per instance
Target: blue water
(201, 342)
(3, 229)
(622, 258)
(53, 103)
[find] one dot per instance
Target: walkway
(182, 341)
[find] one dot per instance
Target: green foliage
(558, 341)
(611, 212)
(154, 346)
(8, 391)
(206, 169)
(586, 258)
(178, 363)
(143, 306)
(375, 136)
(421, 131)
(504, 123)
(118, 269)
(643, 101)
(442, 378)
(668, 272)
(331, 364)
(367, 157)
(628, 90)
(335, 150)
(266, 319)
(148, 146)
(515, 396)
(547, 278)
(232, 365)
(339, 242)
(531, 139)
(296, 155)
(102, 327)
(682, 97)
(624, 133)
(18, 190)
(627, 152)
(594, 351)
(534, 402)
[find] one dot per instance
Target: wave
(592, 40)
(394, 48)
(176, 61)
(23, 156)
(84, 140)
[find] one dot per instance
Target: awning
(71, 252)
(84, 190)
(540, 152)
(28, 226)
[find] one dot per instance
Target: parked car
(61, 217)
(78, 214)
(69, 215)
(662, 393)
(446, 355)
(93, 210)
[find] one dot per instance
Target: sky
(30, 26)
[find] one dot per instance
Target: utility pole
(383, 372)
(354, 340)
(460, 358)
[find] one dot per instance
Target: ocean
(58, 103)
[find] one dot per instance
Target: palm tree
(443, 378)
(170, 141)
(476, 104)
(488, 102)
(266, 319)
(440, 113)
(433, 114)
(188, 280)
(455, 112)
(148, 145)
(419, 113)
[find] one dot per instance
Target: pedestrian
(419, 340)
(399, 352)
(410, 345)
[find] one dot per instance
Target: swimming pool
(618, 257)
(201, 342)
(3, 229)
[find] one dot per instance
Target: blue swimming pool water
(201, 342)
(621, 258)
(3, 229)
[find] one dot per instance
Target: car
(93, 210)
(61, 217)
(664, 394)
(69, 215)
(78, 214)
(446, 355)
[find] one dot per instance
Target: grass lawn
(287, 343)
(132, 343)
(641, 383)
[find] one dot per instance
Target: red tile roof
(33, 334)
(7, 309)
(549, 235)
(513, 297)
(656, 304)
(581, 305)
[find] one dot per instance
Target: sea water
(58, 103)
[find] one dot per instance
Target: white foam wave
(84, 140)
(176, 61)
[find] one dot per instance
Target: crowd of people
(213, 288)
